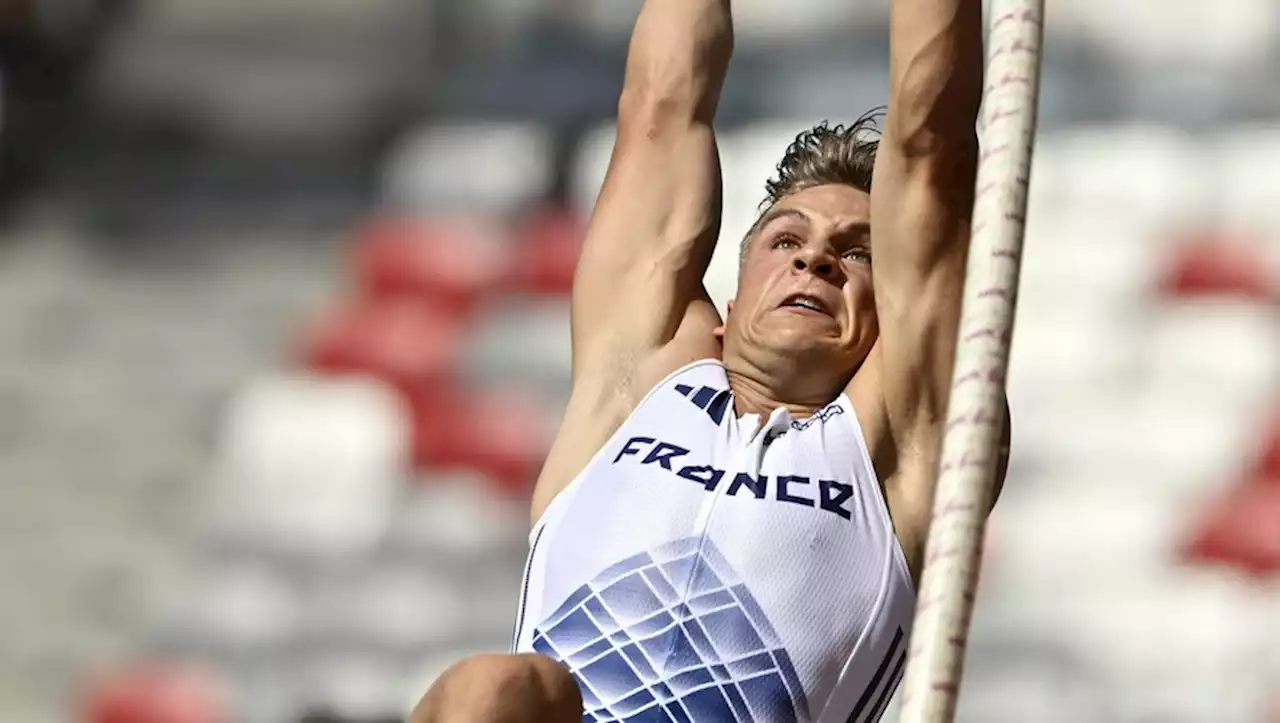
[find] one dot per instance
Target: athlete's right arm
(639, 308)
(656, 220)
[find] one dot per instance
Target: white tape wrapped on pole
(975, 411)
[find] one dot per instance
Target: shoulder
(600, 404)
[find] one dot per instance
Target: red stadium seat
(1216, 268)
(1269, 462)
(154, 695)
(450, 262)
(549, 246)
(1243, 532)
(402, 341)
(504, 435)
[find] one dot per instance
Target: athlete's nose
(817, 261)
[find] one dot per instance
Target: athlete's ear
(719, 330)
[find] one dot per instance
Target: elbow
(928, 126)
(643, 103)
(930, 115)
(653, 111)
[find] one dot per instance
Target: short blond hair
(823, 154)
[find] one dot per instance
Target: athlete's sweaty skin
(884, 269)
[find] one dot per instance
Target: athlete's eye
(859, 254)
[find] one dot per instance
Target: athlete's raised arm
(921, 203)
(656, 221)
(639, 308)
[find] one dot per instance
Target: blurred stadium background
(283, 333)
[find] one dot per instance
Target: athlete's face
(805, 283)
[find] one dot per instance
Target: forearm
(678, 58)
(935, 75)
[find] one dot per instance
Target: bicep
(650, 238)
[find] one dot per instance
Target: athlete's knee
(502, 689)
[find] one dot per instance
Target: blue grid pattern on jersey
(673, 635)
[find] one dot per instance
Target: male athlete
(730, 522)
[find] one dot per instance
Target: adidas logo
(709, 399)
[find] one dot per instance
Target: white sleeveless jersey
(705, 568)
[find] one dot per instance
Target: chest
(816, 464)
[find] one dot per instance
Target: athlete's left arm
(921, 202)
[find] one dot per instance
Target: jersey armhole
(899, 555)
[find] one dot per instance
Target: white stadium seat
(523, 341)
(1234, 33)
(353, 686)
(241, 608)
(398, 609)
(1180, 648)
(487, 167)
(1243, 177)
(589, 165)
(311, 464)
(456, 515)
(1145, 441)
(1217, 351)
(1058, 354)
(1092, 529)
(1142, 171)
(759, 22)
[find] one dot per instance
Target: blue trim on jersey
(887, 694)
(524, 590)
(895, 652)
(673, 635)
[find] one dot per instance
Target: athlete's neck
(754, 393)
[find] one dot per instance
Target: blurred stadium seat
(1241, 531)
(1244, 198)
(1142, 171)
(311, 465)
(491, 168)
(588, 166)
(358, 687)
(454, 515)
(1145, 32)
(501, 433)
(244, 609)
(1221, 268)
(1269, 461)
(547, 246)
(447, 262)
(523, 341)
(408, 343)
(1231, 350)
(153, 694)
(758, 21)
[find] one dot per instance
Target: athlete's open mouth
(805, 301)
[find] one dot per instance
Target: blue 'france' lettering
(784, 496)
(663, 453)
(832, 496)
(706, 476)
(757, 486)
(632, 447)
